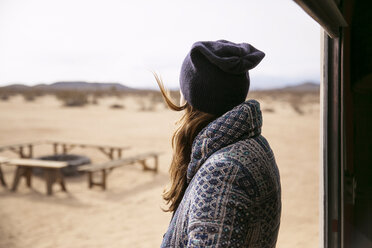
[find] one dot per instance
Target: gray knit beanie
(214, 76)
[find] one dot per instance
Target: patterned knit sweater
(233, 198)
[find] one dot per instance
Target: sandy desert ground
(128, 213)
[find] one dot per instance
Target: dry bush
(98, 94)
(4, 97)
(94, 101)
(72, 98)
(5, 94)
(149, 99)
(117, 106)
(94, 96)
(157, 97)
(145, 105)
(297, 108)
(268, 110)
(113, 91)
(31, 95)
(298, 100)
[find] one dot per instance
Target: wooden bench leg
(156, 163)
(104, 174)
(28, 175)
(103, 181)
(55, 149)
(145, 167)
(2, 180)
(49, 179)
(90, 179)
(52, 176)
(61, 180)
(17, 176)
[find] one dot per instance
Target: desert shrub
(145, 105)
(113, 91)
(268, 110)
(296, 102)
(156, 97)
(73, 98)
(4, 97)
(98, 94)
(94, 101)
(297, 108)
(117, 106)
(119, 95)
(29, 96)
(5, 94)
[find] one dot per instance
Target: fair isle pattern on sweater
(233, 198)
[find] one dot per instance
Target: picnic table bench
(110, 151)
(52, 172)
(104, 168)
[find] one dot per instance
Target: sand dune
(128, 213)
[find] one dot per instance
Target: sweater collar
(242, 122)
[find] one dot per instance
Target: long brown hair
(190, 124)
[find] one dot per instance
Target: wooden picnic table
(52, 172)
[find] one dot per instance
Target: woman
(225, 186)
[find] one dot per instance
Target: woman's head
(214, 76)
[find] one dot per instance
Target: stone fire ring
(73, 162)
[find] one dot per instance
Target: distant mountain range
(85, 86)
(308, 86)
(76, 85)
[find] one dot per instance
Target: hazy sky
(43, 41)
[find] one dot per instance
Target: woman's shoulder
(245, 152)
(248, 164)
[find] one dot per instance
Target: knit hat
(214, 76)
